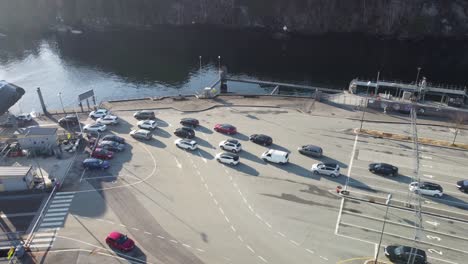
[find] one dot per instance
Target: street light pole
(387, 203)
(219, 65)
(363, 108)
(61, 102)
(417, 76)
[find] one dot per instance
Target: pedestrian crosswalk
(53, 219)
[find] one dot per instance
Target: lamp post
(417, 76)
(61, 102)
(199, 59)
(387, 203)
(363, 108)
(219, 65)
(377, 84)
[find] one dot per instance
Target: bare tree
(458, 119)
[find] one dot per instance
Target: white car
(329, 169)
(99, 113)
(228, 158)
(108, 120)
(95, 127)
(427, 188)
(147, 124)
(186, 144)
(24, 117)
(276, 156)
(232, 145)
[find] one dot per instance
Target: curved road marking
(129, 184)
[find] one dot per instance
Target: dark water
(166, 61)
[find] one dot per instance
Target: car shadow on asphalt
(341, 181)
(154, 142)
(123, 127)
(278, 147)
(203, 129)
(136, 252)
(249, 156)
(203, 143)
(245, 169)
(239, 136)
(399, 178)
(327, 159)
(202, 153)
(161, 133)
(161, 123)
(292, 168)
(448, 200)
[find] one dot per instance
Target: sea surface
(166, 61)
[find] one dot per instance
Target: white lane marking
(426, 157)
(33, 245)
(211, 194)
(233, 229)
(221, 210)
(123, 225)
(245, 200)
(201, 250)
(178, 163)
(195, 166)
(148, 233)
(322, 257)
(268, 224)
(251, 249)
(55, 214)
(187, 246)
(294, 242)
(198, 172)
(338, 220)
(434, 223)
(281, 234)
(52, 224)
(44, 234)
(230, 178)
(227, 219)
(173, 241)
(258, 216)
(54, 219)
(215, 201)
(428, 176)
(240, 238)
(60, 205)
(250, 208)
(443, 260)
(50, 239)
(161, 237)
(357, 239)
(240, 192)
(264, 260)
(351, 162)
(58, 210)
(206, 186)
(427, 166)
(55, 201)
(64, 193)
(204, 160)
(136, 229)
(82, 175)
(310, 251)
(63, 196)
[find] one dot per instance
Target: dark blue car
(95, 164)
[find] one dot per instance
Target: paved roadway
(184, 207)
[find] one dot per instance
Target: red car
(119, 241)
(100, 153)
(226, 129)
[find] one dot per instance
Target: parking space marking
(251, 249)
(294, 242)
(179, 165)
(353, 153)
(264, 260)
(82, 174)
(203, 158)
(310, 251)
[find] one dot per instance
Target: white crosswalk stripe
(54, 218)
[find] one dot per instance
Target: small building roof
(13, 171)
(40, 131)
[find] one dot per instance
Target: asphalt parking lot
(184, 207)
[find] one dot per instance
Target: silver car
(141, 134)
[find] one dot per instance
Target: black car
(114, 138)
(463, 185)
(261, 139)
(69, 120)
(144, 114)
(189, 122)
(405, 254)
(310, 150)
(184, 132)
(383, 169)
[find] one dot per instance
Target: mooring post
(41, 99)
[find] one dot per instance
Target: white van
(276, 156)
